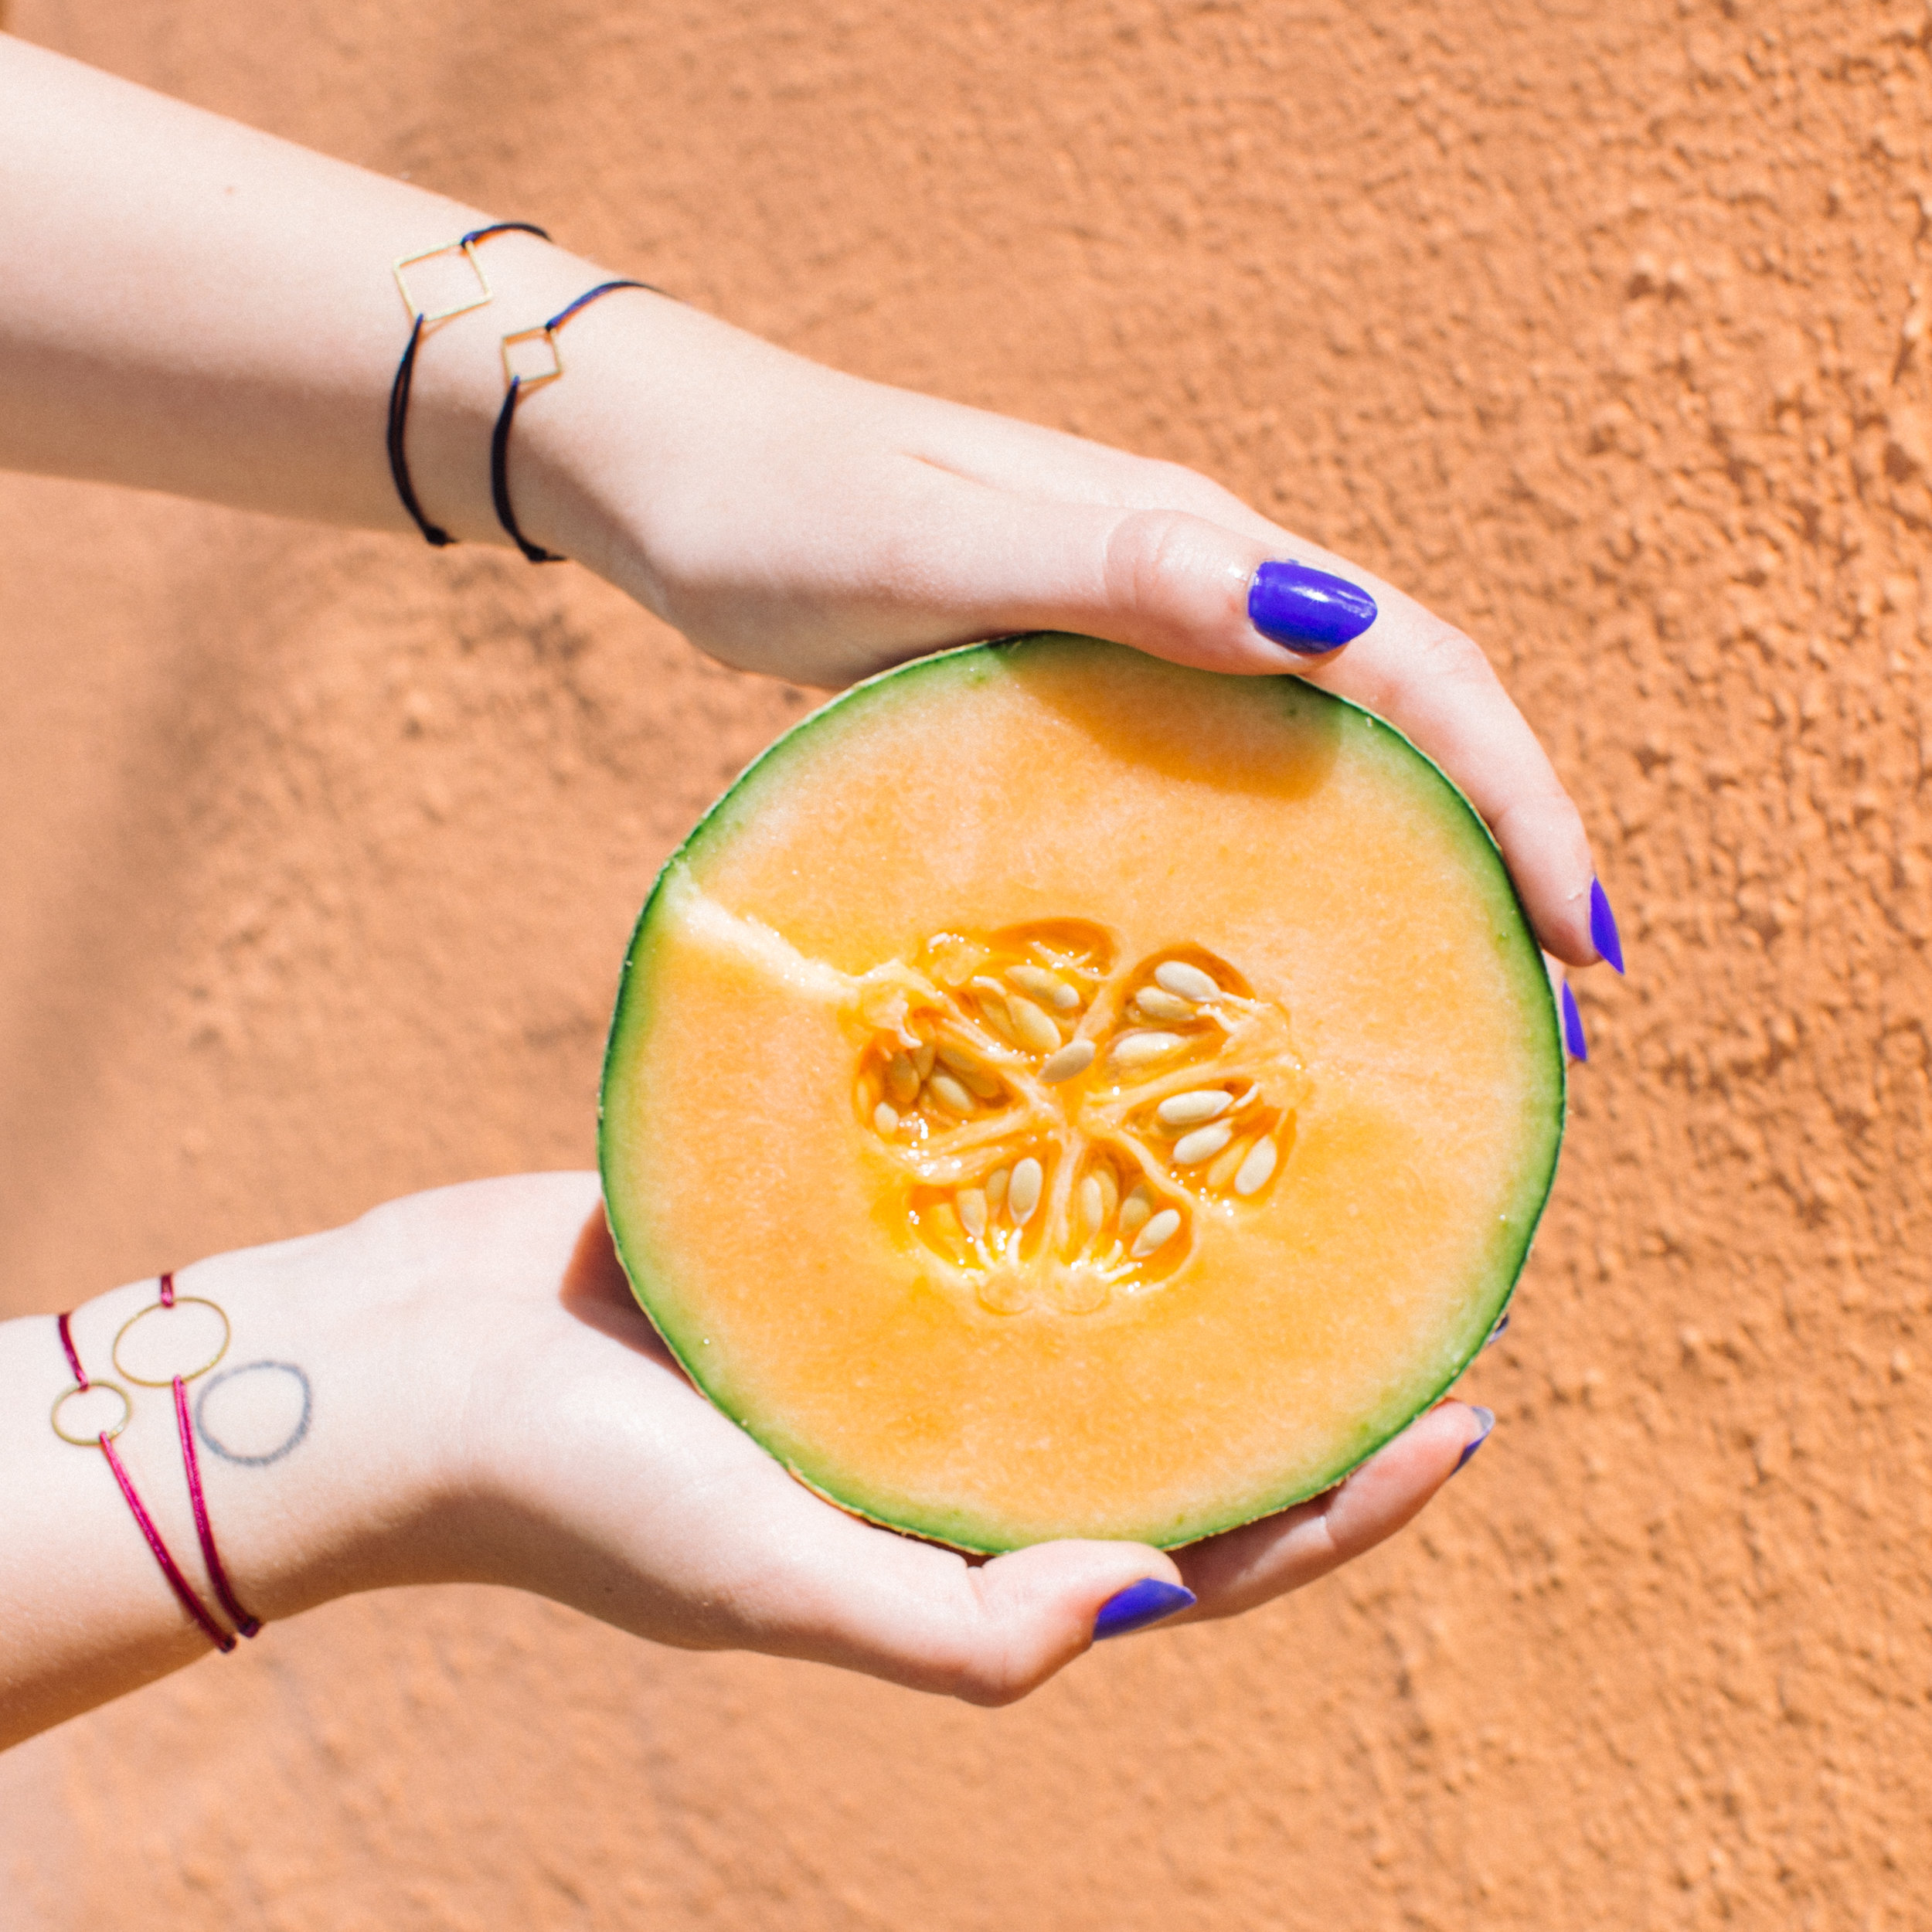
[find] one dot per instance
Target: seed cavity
(1142, 1049)
(1189, 982)
(1072, 1060)
(1158, 1232)
(1189, 1109)
(1041, 1191)
(1203, 1143)
(1254, 1172)
(1022, 1194)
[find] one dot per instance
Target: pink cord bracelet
(190, 1598)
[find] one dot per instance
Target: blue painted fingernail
(1138, 1605)
(1603, 927)
(1485, 1421)
(1573, 1026)
(1498, 1332)
(1307, 611)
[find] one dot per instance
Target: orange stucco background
(1599, 325)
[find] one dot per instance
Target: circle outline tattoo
(294, 1440)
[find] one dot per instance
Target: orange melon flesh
(808, 1273)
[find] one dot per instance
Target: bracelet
(500, 441)
(189, 1597)
(399, 394)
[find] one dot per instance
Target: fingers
(987, 1633)
(1435, 686)
(1236, 1572)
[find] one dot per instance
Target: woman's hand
(484, 1402)
(786, 517)
(791, 519)
(598, 1476)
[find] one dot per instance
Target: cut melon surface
(1054, 1092)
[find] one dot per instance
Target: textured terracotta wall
(1600, 324)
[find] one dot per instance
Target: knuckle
(1448, 654)
(1147, 561)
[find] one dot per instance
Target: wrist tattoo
(255, 1414)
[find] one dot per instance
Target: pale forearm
(192, 306)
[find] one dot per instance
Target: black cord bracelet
(399, 393)
(500, 441)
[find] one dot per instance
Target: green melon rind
(974, 663)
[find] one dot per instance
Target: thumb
(987, 1633)
(1169, 582)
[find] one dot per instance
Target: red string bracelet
(519, 385)
(190, 1600)
(246, 1625)
(421, 320)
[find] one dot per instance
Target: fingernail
(1485, 1421)
(1307, 611)
(1497, 1333)
(1603, 927)
(1573, 1026)
(1138, 1605)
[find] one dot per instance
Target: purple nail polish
(1498, 1332)
(1573, 1026)
(1138, 1605)
(1307, 611)
(1485, 1421)
(1603, 927)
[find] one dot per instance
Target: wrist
(320, 1473)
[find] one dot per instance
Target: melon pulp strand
(1058, 1093)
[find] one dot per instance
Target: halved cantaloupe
(1054, 1092)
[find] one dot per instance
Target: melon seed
(1158, 1232)
(1137, 1049)
(1045, 985)
(1093, 1205)
(949, 1094)
(996, 1187)
(901, 1080)
(972, 1212)
(1035, 1031)
(1074, 1058)
(1110, 1192)
(970, 1074)
(1202, 1144)
(1139, 1205)
(1189, 1109)
(1257, 1168)
(1022, 1195)
(1225, 1169)
(1189, 982)
(923, 1060)
(1153, 1004)
(885, 1117)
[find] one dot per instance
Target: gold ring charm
(157, 1308)
(104, 1435)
